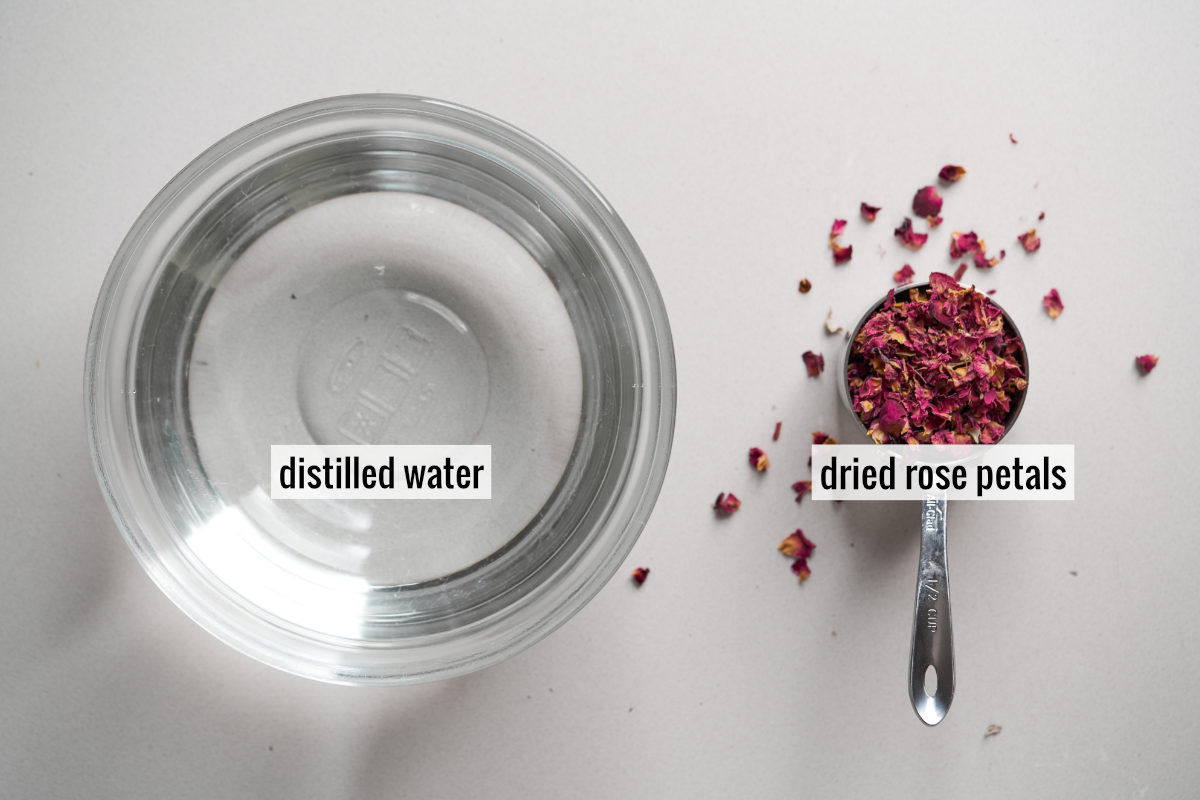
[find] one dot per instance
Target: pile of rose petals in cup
(936, 368)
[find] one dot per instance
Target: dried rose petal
(1041, 216)
(951, 173)
(933, 222)
(958, 273)
(1053, 304)
(778, 428)
(1146, 363)
(830, 328)
(801, 488)
(800, 567)
(908, 237)
(1030, 241)
(814, 362)
(841, 254)
(869, 212)
(797, 545)
(727, 503)
(927, 202)
(640, 574)
(991, 291)
(983, 262)
(820, 437)
(963, 243)
(1012, 138)
(839, 225)
(903, 275)
(758, 459)
(805, 286)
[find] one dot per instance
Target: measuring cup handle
(933, 633)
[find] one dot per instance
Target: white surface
(728, 140)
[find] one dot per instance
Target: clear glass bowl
(380, 269)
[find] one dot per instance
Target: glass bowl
(380, 269)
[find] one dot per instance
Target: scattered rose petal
(820, 437)
(1053, 304)
(814, 362)
(839, 225)
(908, 237)
(933, 222)
(1012, 138)
(1146, 363)
(1041, 216)
(801, 488)
(903, 275)
(983, 262)
(800, 567)
(778, 428)
(951, 173)
(797, 545)
(1030, 241)
(992, 730)
(963, 243)
(958, 273)
(927, 202)
(727, 503)
(991, 291)
(830, 328)
(640, 574)
(869, 212)
(758, 459)
(841, 254)
(805, 286)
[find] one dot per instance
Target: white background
(728, 138)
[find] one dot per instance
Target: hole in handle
(931, 681)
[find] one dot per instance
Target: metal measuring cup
(933, 631)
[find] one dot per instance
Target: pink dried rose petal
(951, 173)
(839, 225)
(801, 488)
(814, 362)
(958, 273)
(963, 243)
(841, 254)
(1053, 303)
(1041, 216)
(1146, 363)
(908, 237)
(805, 286)
(1012, 138)
(820, 437)
(1030, 241)
(797, 545)
(801, 569)
(640, 574)
(778, 428)
(982, 261)
(991, 291)
(869, 212)
(933, 222)
(903, 275)
(758, 459)
(727, 503)
(927, 202)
